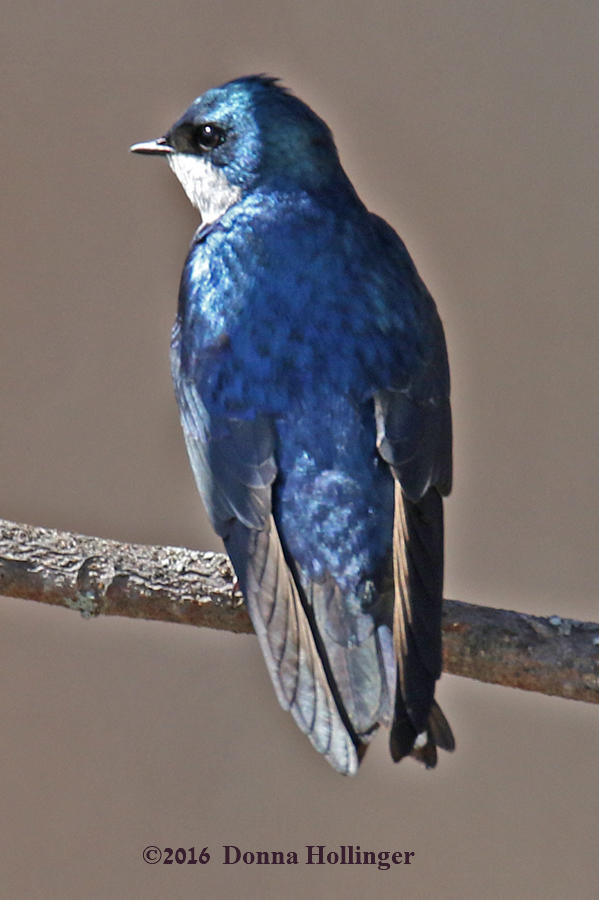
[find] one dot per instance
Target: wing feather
(288, 642)
(235, 469)
(414, 438)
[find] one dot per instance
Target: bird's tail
(404, 741)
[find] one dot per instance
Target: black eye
(209, 136)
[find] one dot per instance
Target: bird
(311, 373)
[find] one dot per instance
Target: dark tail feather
(403, 734)
(423, 747)
(440, 729)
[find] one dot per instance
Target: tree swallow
(311, 373)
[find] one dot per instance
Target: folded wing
(235, 469)
(414, 438)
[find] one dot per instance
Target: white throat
(206, 186)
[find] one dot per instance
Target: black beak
(158, 147)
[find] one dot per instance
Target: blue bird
(311, 373)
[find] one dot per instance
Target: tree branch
(170, 584)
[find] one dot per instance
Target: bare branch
(103, 577)
(100, 577)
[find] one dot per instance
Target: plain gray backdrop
(472, 127)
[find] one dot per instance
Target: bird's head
(247, 134)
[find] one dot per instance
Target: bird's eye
(209, 136)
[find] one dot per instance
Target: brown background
(472, 127)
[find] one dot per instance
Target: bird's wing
(414, 438)
(235, 469)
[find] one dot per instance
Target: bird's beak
(158, 147)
